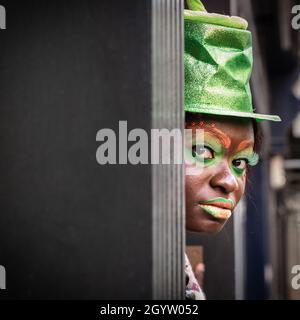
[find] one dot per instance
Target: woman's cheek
(194, 183)
(242, 187)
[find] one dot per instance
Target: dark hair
(258, 136)
(258, 140)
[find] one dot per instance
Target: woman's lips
(220, 208)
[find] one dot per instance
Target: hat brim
(257, 116)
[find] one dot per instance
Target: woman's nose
(224, 179)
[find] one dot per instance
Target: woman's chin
(200, 220)
(207, 226)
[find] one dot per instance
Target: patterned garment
(192, 289)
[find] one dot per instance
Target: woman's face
(213, 192)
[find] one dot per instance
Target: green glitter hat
(218, 63)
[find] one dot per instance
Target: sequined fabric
(218, 63)
(192, 290)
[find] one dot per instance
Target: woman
(218, 64)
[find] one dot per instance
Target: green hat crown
(218, 64)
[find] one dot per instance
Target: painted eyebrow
(245, 144)
(225, 140)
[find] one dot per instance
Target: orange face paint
(244, 145)
(216, 145)
(224, 139)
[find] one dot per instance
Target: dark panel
(70, 228)
(256, 235)
(168, 179)
(218, 250)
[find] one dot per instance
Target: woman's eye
(240, 163)
(202, 152)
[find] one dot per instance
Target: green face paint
(213, 150)
(243, 158)
(217, 212)
(219, 207)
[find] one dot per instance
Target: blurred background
(266, 227)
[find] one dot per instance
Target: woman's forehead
(229, 131)
(239, 137)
